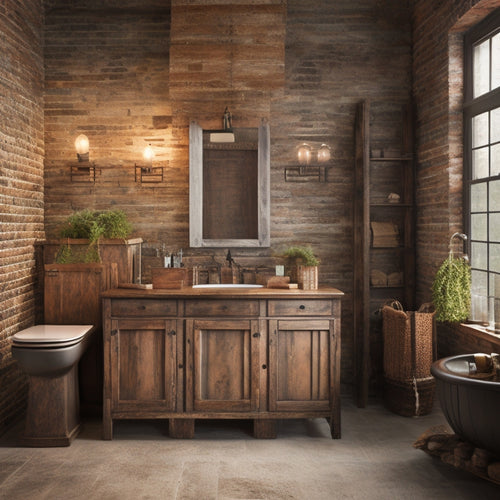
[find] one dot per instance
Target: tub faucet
(463, 237)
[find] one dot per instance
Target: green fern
(92, 225)
(64, 255)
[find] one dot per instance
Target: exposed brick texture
(21, 185)
(438, 28)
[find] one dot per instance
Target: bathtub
(471, 406)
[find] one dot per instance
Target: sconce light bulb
(82, 147)
(304, 154)
(82, 144)
(324, 153)
(148, 153)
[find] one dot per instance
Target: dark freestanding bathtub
(471, 406)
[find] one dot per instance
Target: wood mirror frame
(229, 188)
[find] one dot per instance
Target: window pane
(495, 227)
(480, 130)
(495, 125)
(479, 282)
(494, 197)
(479, 227)
(495, 160)
(479, 296)
(495, 279)
(478, 198)
(479, 255)
(481, 70)
(480, 163)
(495, 61)
(495, 258)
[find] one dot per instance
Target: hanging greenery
(451, 290)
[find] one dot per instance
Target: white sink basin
(227, 285)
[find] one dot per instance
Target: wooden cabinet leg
(264, 429)
(334, 422)
(107, 421)
(181, 428)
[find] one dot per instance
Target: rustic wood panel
(230, 176)
(226, 365)
(145, 367)
(302, 368)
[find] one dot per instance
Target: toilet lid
(58, 335)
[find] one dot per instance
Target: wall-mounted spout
(462, 237)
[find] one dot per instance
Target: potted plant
(302, 266)
(91, 225)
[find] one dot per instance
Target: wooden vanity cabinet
(144, 364)
(223, 365)
(255, 357)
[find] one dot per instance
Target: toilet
(49, 355)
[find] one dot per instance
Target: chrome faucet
(463, 237)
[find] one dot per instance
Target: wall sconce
(148, 154)
(147, 173)
(87, 171)
(312, 164)
(304, 154)
(324, 153)
(82, 147)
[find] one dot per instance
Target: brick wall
(21, 185)
(437, 87)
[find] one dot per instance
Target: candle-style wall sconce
(84, 170)
(147, 173)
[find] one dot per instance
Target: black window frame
(472, 107)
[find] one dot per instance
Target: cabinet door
(301, 365)
(223, 365)
(143, 365)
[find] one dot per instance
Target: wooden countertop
(226, 293)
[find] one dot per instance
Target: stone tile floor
(374, 460)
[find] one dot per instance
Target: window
(482, 166)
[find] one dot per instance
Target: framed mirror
(229, 187)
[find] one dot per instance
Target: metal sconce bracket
(307, 174)
(148, 175)
(84, 173)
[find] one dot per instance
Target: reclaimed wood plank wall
(127, 76)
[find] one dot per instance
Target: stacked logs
(440, 442)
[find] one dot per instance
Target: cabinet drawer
(305, 307)
(143, 307)
(222, 307)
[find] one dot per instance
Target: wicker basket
(307, 277)
(411, 398)
(409, 350)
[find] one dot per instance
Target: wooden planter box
(125, 253)
(307, 277)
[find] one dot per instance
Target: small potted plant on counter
(302, 266)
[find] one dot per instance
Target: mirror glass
(229, 193)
